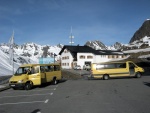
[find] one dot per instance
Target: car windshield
(22, 70)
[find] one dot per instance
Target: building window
(75, 64)
(110, 56)
(89, 57)
(66, 57)
(82, 57)
(65, 51)
(103, 56)
(123, 56)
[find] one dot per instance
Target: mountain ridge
(143, 31)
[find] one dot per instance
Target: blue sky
(49, 21)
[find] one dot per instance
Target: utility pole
(71, 37)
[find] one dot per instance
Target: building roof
(86, 49)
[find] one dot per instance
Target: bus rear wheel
(105, 77)
(54, 81)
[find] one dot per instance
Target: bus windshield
(22, 70)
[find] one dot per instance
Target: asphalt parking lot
(127, 95)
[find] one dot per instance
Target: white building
(81, 55)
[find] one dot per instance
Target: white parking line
(46, 101)
(26, 95)
(51, 93)
(43, 89)
(54, 86)
(30, 90)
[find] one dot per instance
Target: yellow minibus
(115, 69)
(29, 75)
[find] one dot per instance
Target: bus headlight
(20, 81)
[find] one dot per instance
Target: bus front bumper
(18, 85)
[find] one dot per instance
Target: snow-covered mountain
(98, 45)
(137, 44)
(26, 53)
(140, 40)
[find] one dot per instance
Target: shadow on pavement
(36, 111)
(147, 83)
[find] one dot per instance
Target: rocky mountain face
(96, 45)
(143, 31)
(31, 52)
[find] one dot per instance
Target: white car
(86, 67)
(77, 67)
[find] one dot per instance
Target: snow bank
(5, 67)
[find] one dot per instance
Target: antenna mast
(11, 51)
(71, 37)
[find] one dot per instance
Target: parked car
(86, 67)
(77, 67)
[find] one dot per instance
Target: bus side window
(56, 68)
(35, 69)
(99, 66)
(123, 65)
(50, 68)
(110, 66)
(131, 66)
(42, 69)
(46, 69)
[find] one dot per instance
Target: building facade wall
(101, 58)
(66, 59)
(82, 58)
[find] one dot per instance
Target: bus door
(132, 69)
(35, 75)
(49, 73)
(43, 74)
(57, 71)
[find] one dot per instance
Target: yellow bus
(29, 75)
(115, 69)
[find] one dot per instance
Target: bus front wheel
(138, 75)
(28, 86)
